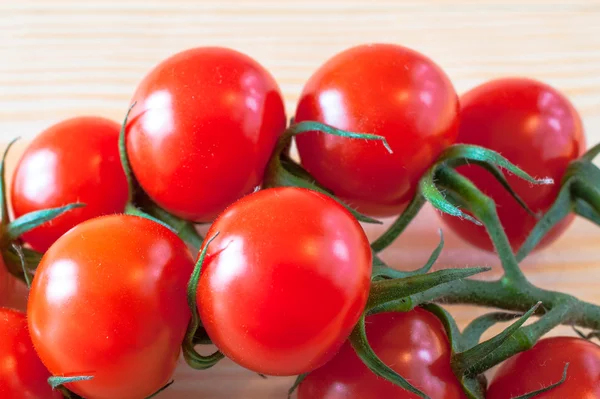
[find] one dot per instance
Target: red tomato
(76, 160)
(285, 281)
(109, 299)
(198, 114)
(543, 365)
(535, 127)
(387, 90)
(22, 374)
(414, 344)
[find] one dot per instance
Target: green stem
(13, 259)
(399, 224)
(474, 330)
(385, 291)
(185, 229)
(193, 358)
(591, 153)
(489, 353)
(588, 193)
(559, 210)
(524, 338)
(584, 210)
(123, 155)
(383, 271)
(296, 384)
(26, 272)
(494, 294)
(484, 209)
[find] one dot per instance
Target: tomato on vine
(76, 160)
(109, 300)
(543, 366)
(414, 344)
(386, 90)
(22, 374)
(198, 114)
(532, 125)
(284, 281)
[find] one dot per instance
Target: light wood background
(67, 57)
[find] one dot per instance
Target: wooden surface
(68, 57)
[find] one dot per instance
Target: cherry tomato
(22, 374)
(198, 115)
(414, 344)
(382, 89)
(543, 365)
(285, 281)
(76, 160)
(535, 127)
(109, 300)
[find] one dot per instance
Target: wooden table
(66, 57)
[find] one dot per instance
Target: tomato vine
(451, 193)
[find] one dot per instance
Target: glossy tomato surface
(76, 160)
(382, 89)
(536, 128)
(22, 374)
(204, 125)
(109, 300)
(414, 344)
(285, 281)
(543, 365)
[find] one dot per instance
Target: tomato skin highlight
(381, 89)
(22, 374)
(109, 300)
(198, 113)
(414, 344)
(532, 125)
(543, 365)
(285, 281)
(76, 160)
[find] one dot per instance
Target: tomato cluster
(284, 274)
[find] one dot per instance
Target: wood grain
(65, 57)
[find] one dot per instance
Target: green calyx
(440, 183)
(195, 329)
(579, 193)
(57, 382)
(389, 291)
(140, 204)
(282, 171)
(393, 294)
(548, 388)
(466, 362)
(383, 271)
(363, 350)
(21, 262)
(473, 385)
